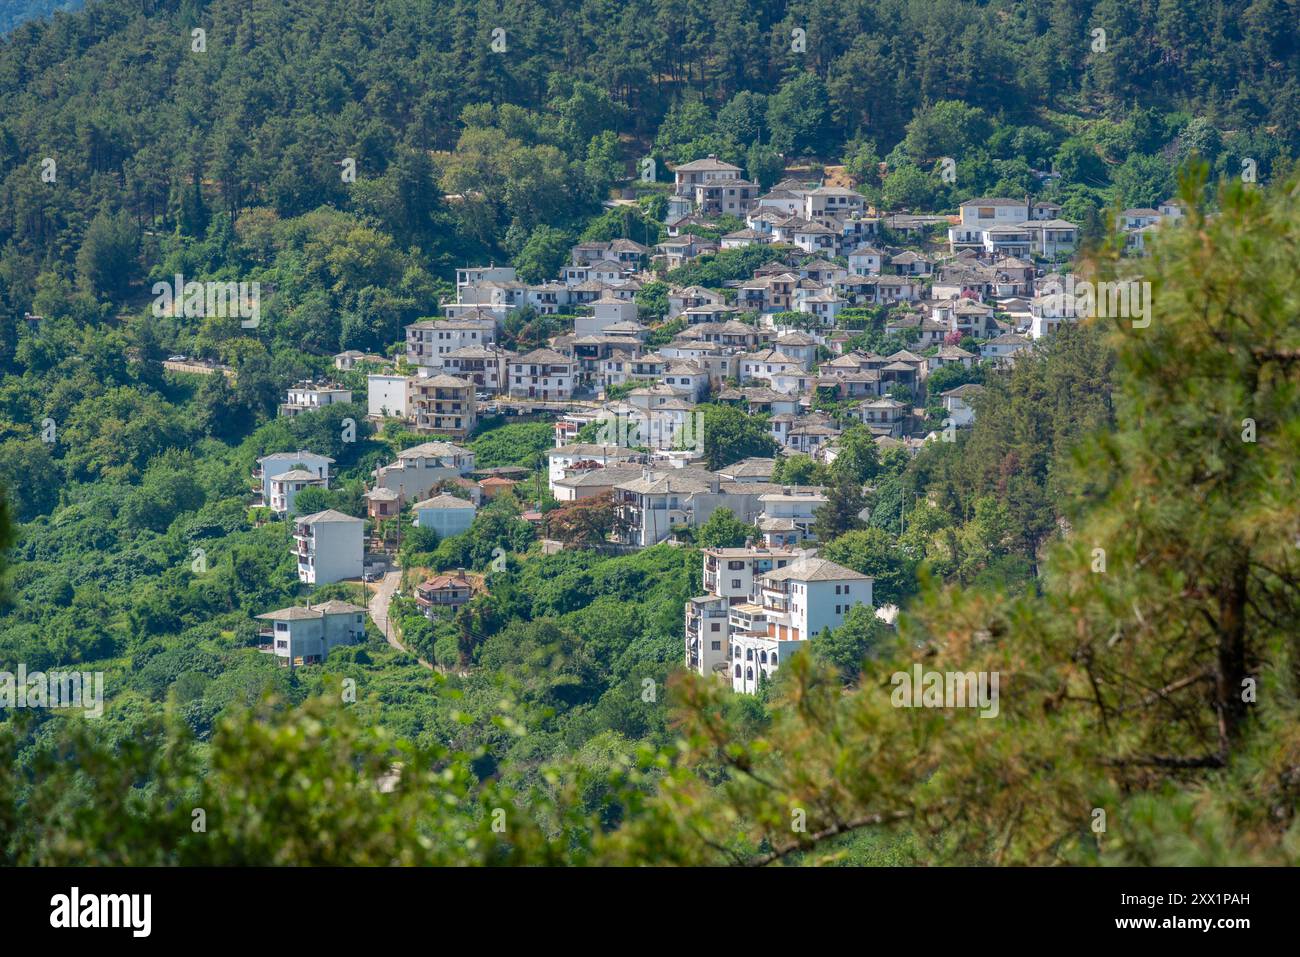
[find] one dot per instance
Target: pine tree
(840, 514)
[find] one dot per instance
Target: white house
(585, 455)
(729, 577)
(793, 605)
(418, 469)
(606, 311)
(826, 201)
(956, 403)
(270, 467)
(286, 486)
(309, 397)
(329, 547)
(541, 374)
(388, 396)
(865, 261)
(763, 365)
(445, 514)
(472, 275)
(797, 505)
(429, 341)
(305, 635)
(1005, 348)
(709, 170)
(485, 366)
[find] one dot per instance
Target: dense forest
(15, 12)
(133, 148)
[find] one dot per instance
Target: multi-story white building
(329, 547)
(286, 486)
(309, 397)
(305, 635)
(1002, 227)
(709, 170)
(608, 310)
(444, 404)
(796, 504)
(826, 201)
(956, 402)
(485, 366)
(472, 275)
(729, 578)
(429, 342)
(792, 606)
(271, 467)
(388, 396)
(541, 374)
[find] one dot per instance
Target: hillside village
(761, 434)
(850, 319)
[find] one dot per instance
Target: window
(714, 626)
(715, 646)
(749, 654)
(749, 674)
(737, 671)
(735, 583)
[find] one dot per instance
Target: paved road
(379, 602)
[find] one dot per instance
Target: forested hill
(134, 116)
(13, 13)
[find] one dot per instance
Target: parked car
(176, 358)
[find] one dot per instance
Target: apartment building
(541, 374)
(443, 404)
(329, 547)
(729, 579)
(792, 605)
(428, 342)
